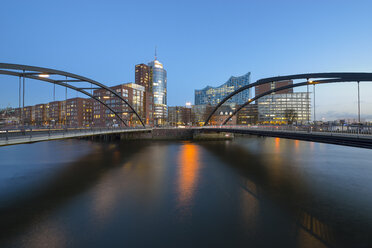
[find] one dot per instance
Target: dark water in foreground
(250, 192)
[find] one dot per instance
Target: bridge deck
(14, 138)
(357, 140)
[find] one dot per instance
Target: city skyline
(211, 41)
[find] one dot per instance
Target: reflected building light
(188, 173)
(277, 144)
(297, 145)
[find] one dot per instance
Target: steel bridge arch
(33, 72)
(292, 86)
(328, 76)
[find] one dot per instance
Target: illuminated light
(44, 75)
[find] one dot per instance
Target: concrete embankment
(167, 134)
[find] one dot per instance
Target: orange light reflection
(297, 145)
(277, 144)
(188, 170)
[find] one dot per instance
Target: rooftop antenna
(155, 53)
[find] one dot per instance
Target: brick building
(41, 115)
(260, 89)
(222, 113)
(134, 94)
(79, 112)
(142, 76)
(57, 113)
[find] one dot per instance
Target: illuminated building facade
(179, 116)
(213, 95)
(27, 115)
(142, 76)
(41, 114)
(79, 112)
(284, 108)
(248, 115)
(158, 84)
(134, 94)
(57, 113)
(74, 112)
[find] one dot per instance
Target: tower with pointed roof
(158, 83)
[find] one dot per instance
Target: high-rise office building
(213, 95)
(284, 108)
(158, 84)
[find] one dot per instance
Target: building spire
(155, 53)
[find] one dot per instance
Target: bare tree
(290, 115)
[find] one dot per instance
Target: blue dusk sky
(199, 42)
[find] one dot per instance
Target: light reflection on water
(259, 192)
(188, 159)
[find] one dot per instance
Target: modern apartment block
(26, 115)
(213, 95)
(75, 112)
(79, 112)
(57, 113)
(41, 114)
(134, 94)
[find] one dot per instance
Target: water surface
(249, 192)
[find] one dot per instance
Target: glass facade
(158, 79)
(284, 108)
(213, 95)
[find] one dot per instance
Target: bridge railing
(352, 130)
(7, 134)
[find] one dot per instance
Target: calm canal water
(249, 192)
